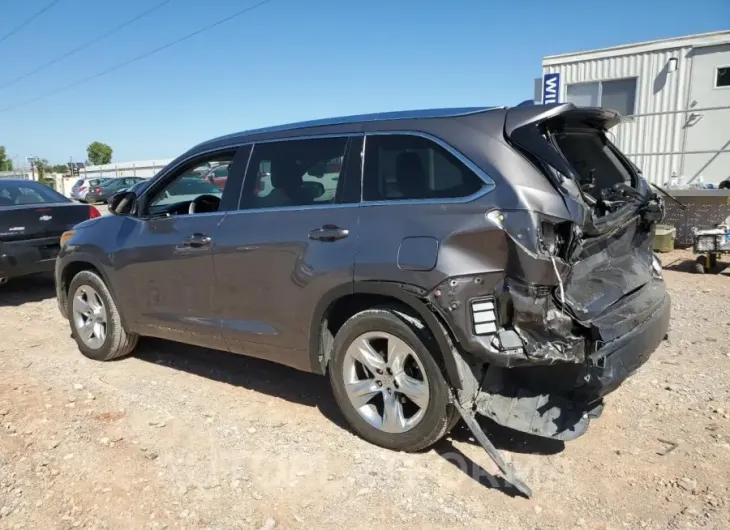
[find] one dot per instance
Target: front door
(288, 245)
(168, 264)
(164, 256)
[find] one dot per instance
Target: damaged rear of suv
(582, 302)
(578, 302)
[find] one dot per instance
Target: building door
(708, 131)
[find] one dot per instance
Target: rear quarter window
(408, 167)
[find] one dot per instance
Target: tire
(116, 342)
(437, 417)
(699, 266)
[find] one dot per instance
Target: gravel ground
(182, 437)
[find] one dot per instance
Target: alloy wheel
(386, 382)
(89, 316)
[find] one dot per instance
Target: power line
(85, 45)
(28, 21)
(135, 59)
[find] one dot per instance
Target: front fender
(75, 257)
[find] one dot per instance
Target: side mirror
(121, 202)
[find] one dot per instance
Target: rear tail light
(94, 213)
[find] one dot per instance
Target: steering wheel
(204, 204)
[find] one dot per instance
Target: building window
(584, 94)
(619, 95)
(722, 77)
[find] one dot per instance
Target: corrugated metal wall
(657, 91)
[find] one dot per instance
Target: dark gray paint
(418, 253)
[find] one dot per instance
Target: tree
(5, 163)
(59, 168)
(99, 153)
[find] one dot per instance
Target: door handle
(329, 233)
(197, 241)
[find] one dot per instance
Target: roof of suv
(351, 120)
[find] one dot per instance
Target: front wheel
(387, 382)
(95, 323)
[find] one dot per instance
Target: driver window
(191, 190)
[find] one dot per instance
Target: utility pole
(32, 160)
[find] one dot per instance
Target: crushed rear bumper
(540, 400)
(611, 364)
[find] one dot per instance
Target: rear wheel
(387, 383)
(95, 323)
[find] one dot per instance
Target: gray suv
(434, 264)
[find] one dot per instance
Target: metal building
(673, 93)
(139, 168)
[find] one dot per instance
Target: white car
(82, 186)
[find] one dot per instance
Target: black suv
(434, 263)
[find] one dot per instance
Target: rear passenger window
(294, 173)
(407, 167)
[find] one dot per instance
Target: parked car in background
(217, 176)
(108, 187)
(32, 219)
(81, 187)
(432, 263)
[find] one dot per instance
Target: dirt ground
(182, 437)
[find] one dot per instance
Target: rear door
(288, 245)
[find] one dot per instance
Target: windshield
(19, 193)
